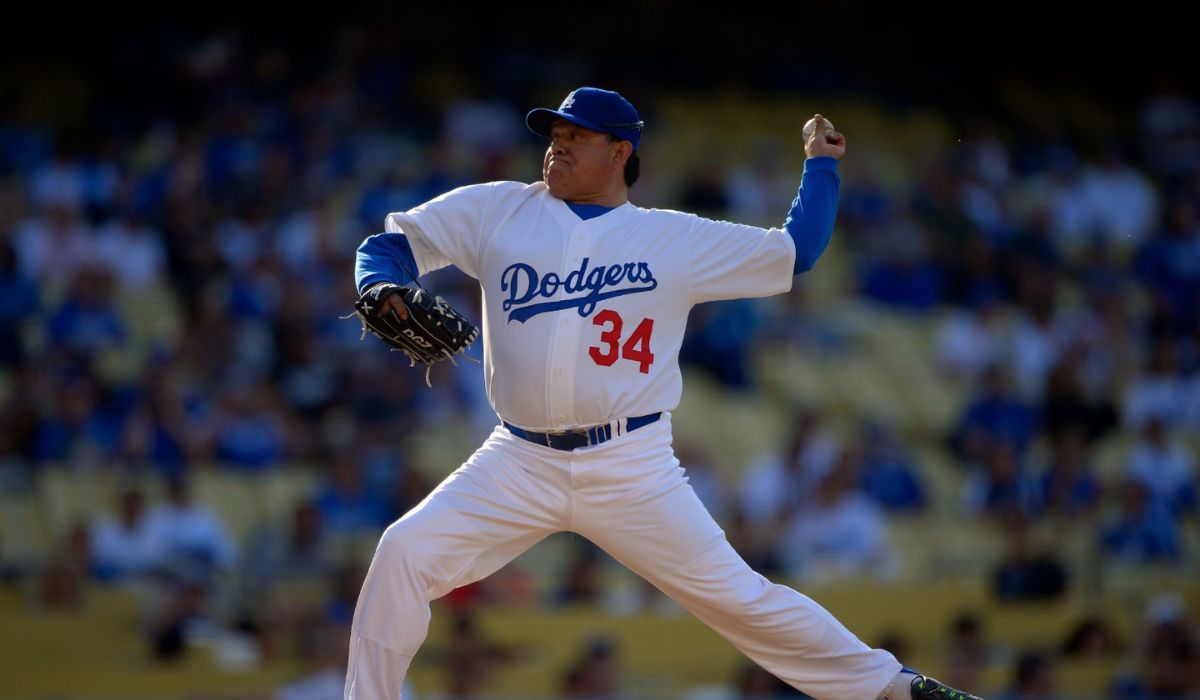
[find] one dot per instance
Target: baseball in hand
(811, 125)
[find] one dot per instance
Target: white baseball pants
(631, 497)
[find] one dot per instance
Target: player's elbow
(803, 264)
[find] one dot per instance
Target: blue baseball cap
(591, 108)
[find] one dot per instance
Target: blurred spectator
(1167, 656)
(469, 659)
(80, 426)
(995, 417)
(1170, 120)
(125, 547)
(840, 533)
(62, 582)
(1068, 488)
(61, 585)
(1105, 345)
(323, 655)
(250, 427)
(970, 341)
(595, 674)
(183, 615)
(776, 483)
(60, 180)
(1159, 393)
(301, 554)
(19, 301)
(88, 322)
(865, 204)
(195, 541)
(1092, 637)
(348, 505)
(888, 475)
(1027, 573)
(345, 583)
(310, 376)
(319, 235)
(761, 192)
(1033, 677)
(905, 275)
(1142, 531)
(1000, 485)
(1164, 467)
(1067, 410)
(1169, 265)
(1071, 220)
(163, 429)
(974, 276)
(133, 250)
(1040, 335)
(52, 249)
(704, 191)
(1122, 202)
(719, 338)
(582, 582)
(985, 175)
(968, 650)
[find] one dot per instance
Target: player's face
(580, 164)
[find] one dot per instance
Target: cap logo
(568, 103)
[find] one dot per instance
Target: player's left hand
(824, 141)
(424, 327)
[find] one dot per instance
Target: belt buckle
(557, 434)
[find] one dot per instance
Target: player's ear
(622, 151)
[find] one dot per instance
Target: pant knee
(429, 554)
(399, 545)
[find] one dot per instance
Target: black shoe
(926, 688)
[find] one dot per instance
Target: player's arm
(443, 231)
(810, 220)
(384, 257)
(447, 230)
(731, 261)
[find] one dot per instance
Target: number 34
(636, 347)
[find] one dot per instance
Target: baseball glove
(434, 330)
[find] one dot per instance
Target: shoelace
(939, 688)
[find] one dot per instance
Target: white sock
(901, 687)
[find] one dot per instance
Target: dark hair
(633, 166)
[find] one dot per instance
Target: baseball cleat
(926, 688)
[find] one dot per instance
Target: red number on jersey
(637, 348)
(612, 336)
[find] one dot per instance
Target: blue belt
(568, 440)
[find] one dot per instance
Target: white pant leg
(502, 501)
(638, 506)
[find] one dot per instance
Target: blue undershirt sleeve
(384, 257)
(810, 220)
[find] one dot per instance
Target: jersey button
(559, 417)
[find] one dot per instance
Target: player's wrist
(821, 162)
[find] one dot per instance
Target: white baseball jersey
(582, 325)
(583, 319)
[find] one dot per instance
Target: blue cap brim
(540, 121)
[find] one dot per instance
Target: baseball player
(585, 299)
